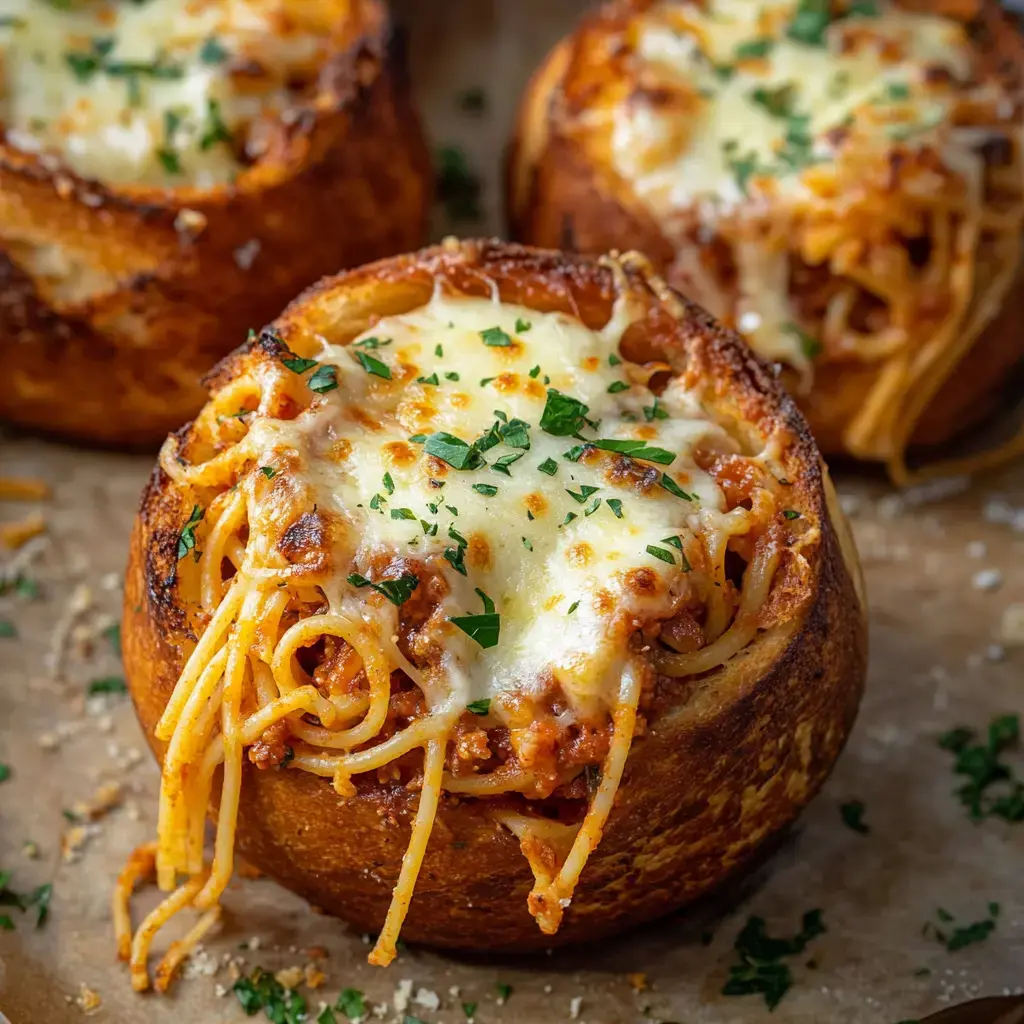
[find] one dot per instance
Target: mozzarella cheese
(750, 109)
(555, 544)
(158, 92)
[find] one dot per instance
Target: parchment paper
(945, 570)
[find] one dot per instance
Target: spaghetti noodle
(344, 515)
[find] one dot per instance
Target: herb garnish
(616, 386)
(452, 450)
(585, 492)
(549, 467)
(811, 20)
(484, 629)
(760, 969)
(563, 415)
(352, 1003)
(372, 365)
(108, 684)
(373, 342)
(215, 130)
(262, 991)
(432, 379)
(268, 471)
(297, 364)
(790, 513)
(654, 412)
(39, 898)
(495, 337)
(396, 591)
(979, 761)
(187, 538)
(8, 631)
(964, 935)
(673, 488)
(522, 326)
(211, 52)
(489, 489)
(615, 504)
(636, 450)
(5, 772)
(754, 48)
(480, 707)
(663, 553)
(853, 816)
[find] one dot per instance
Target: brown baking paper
(945, 575)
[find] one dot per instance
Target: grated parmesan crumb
(574, 1007)
(427, 998)
(402, 995)
(87, 1000)
(290, 977)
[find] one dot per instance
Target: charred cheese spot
(479, 552)
(507, 383)
(365, 419)
(536, 503)
(460, 400)
(580, 554)
(340, 450)
(590, 364)
(400, 453)
(641, 582)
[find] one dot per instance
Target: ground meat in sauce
(272, 747)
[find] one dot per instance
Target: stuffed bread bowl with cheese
(842, 182)
(171, 174)
(496, 595)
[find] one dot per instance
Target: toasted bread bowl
(170, 176)
(843, 183)
(668, 660)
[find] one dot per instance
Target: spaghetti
(345, 513)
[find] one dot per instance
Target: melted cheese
(561, 571)
(750, 110)
(160, 92)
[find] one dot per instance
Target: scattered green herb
(432, 379)
(992, 790)
(352, 1003)
(262, 991)
(495, 337)
(615, 504)
(452, 450)
(526, 544)
(373, 365)
(790, 513)
(563, 416)
(8, 630)
(964, 935)
(108, 684)
(760, 970)
(673, 488)
(211, 52)
(549, 467)
(522, 326)
(299, 365)
(396, 591)
(636, 450)
(852, 813)
(480, 707)
(187, 538)
(485, 628)
(754, 48)
(268, 471)
(585, 491)
(616, 386)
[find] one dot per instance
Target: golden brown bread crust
(176, 278)
(557, 194)
(710, 782)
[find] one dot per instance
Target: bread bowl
(841, 181)
(171, 174)
(411, 440)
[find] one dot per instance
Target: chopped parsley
(592, 507)
(372, 342)
(569, 517)
(39, 898)
(297, 364)
(8, 631)
(662, 553)
(654, 412)
(211, 52)
(396, 591)
(964, 935)
(456, 558)
(563, 415)
(790, 513)
(108, 684)
(616, 386)
(585, 492)
(451, 375)
(5, 772)
(215, 130)
(548, 466)
(438, 351)
(469, 1009)
(403, 513)
(452, 450)
(761, 970)
(187, 537)
(268, 471)
(495, 337)
(262, 991)
(485, 628)
(526, 544)
(811, 20)
(352, 1003)
(372, 365)
(896, 92)
(778, 101)
(636, 450)
(991, 790)
(754, 48)
(535, 371)
(500, 465)
(522, 326)
(852, 813)
(573, 607)
(615, 504)
(480, 707)
(673, 488)
(489, 489)
(388, 482)
(614, 360)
